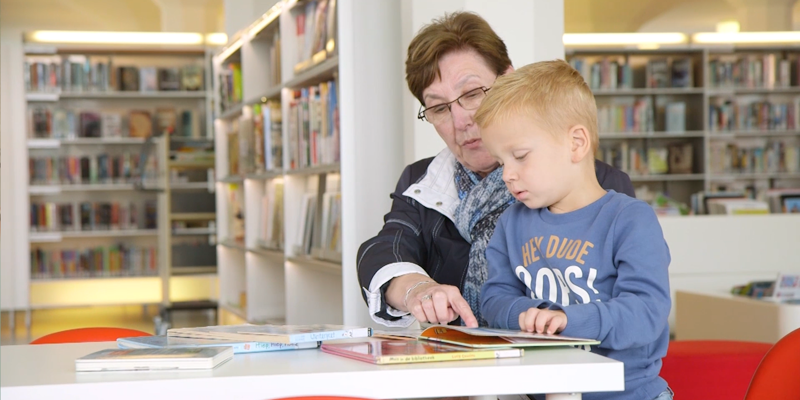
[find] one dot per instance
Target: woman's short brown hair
(453, 32)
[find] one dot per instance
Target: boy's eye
(520, 157)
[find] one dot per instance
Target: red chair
(711, 369)
(82, 335)
(778, 375)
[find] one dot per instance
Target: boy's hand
(542, 321)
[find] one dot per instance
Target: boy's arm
(639, 306)
(503, 296)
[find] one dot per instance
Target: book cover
(90, 125)
(162, 341)
(154, 359)
(166, 121)
(128, 79)
(486, 337)
(169, 79)
(413, 351)
(140, 124)
(148, 79)
(273, 333)
(192, 78)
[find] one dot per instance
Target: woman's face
(461, 72)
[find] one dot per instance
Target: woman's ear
(580, 142)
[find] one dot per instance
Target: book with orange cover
(486, 337)
(413, 351)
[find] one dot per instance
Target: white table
(48, 372)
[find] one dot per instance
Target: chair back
(778, 374)
(711, 369)
(80, 335)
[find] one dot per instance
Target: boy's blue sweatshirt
(604, 265)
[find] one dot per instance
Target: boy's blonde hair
(552, 92)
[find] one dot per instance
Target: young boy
(571, 257)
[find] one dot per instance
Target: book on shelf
(239, 347)
(384, 352)
(783, 200)
(273, 333)
(658, 73)
(140, 124)
(736, 206)
(169, 79)
(675, 116)
(305, 234)
(680, 158)
(184, 358)
(682, 75)
(128, 79)
(148, 79)
(485, 337)
(117, 259)
(192, 78)
(166, 121)
(657, 160)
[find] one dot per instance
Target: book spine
(332, 335)
(257, 347)
(466, 355)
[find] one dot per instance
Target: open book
(154, 359)
(412, 351)
(239, 347)
(272, 333)
(485, 337)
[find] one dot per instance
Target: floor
(47, 321)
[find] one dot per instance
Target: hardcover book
(154, 359)
(273, 333)
(169, 79)
(155, 342)
(413, 351)
(486, 337)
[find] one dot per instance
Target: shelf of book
(232, 244)
(647, 91)
(190, 164)
(652, 135)
(667, 177)
(40, 237)
(234, 111)
(56, 143)
(93, 187)
(232, 179)
(315, 170)
(85, 115)
(191, 186)
(193, 231)
(325, 70)
(287, 143)
(697, 111)
(194, 270)
(192, 216)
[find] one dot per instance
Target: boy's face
(536, 162)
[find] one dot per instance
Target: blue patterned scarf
(482, 202)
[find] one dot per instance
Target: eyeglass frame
(449, 104)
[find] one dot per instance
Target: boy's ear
(580, 142)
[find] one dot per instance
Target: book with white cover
(239, 347)
(273, 333)
(182, 358)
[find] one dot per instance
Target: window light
(747, 37)
(99, 37)
(602, 39)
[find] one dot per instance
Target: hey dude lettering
(573, 285)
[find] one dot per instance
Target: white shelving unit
(274, 282)
(706, 174)
(156, 287)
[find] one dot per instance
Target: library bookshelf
(106, 129)
(304, 148)
(683, 119)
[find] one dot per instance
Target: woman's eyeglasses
(441, 112)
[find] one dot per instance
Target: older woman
(428, 263)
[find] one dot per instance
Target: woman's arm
(393, 261)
